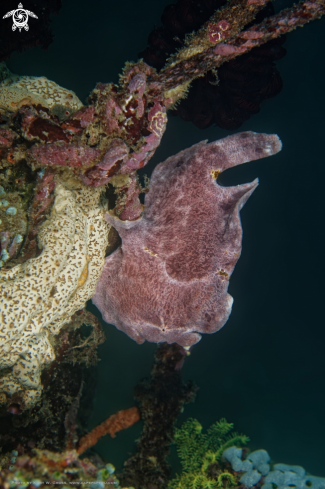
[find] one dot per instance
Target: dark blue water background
(264, 370)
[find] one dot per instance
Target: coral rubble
(44, 468)
(169, 280)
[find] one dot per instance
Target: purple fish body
(169, 279)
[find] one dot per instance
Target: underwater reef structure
(59, 419)
(168, 281)
(215, 459)
(211, 460)
(17, 91)
(161, 400)
(256, 470)
(68, 185)
(201, 455)
(39, 296)
(43, 468)
(226, 97)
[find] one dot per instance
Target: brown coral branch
(161, 400)
(227, 47)
(224, 23)
(120, 421)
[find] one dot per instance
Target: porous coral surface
(17, 91)
(39, 296)
(169, 280)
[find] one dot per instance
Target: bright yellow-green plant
(198, 451)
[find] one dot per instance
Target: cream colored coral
(38, 297)
(16, 91)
